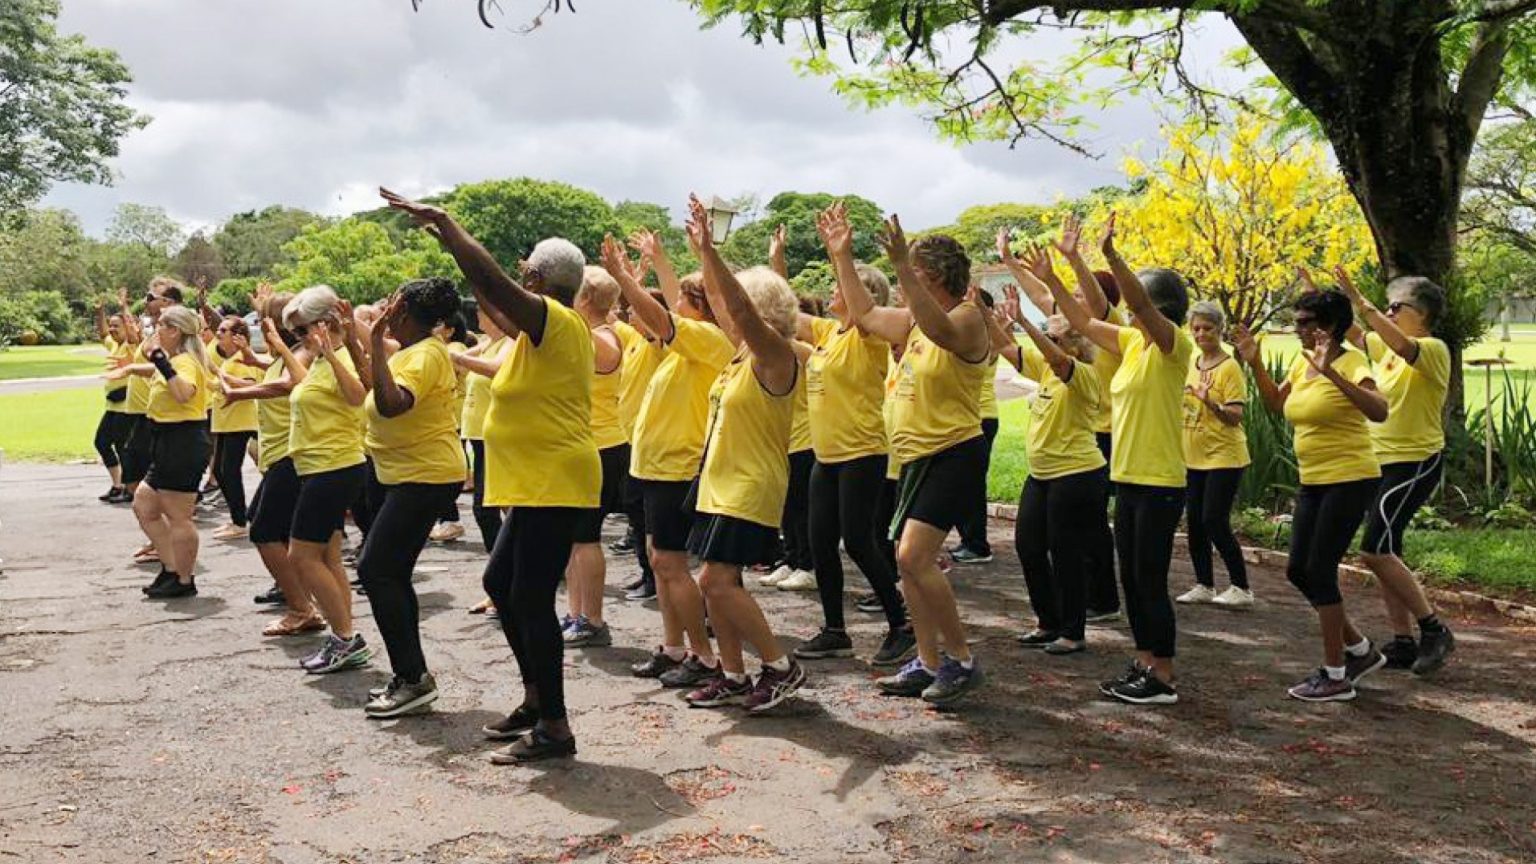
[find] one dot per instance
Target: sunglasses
(1305, 321)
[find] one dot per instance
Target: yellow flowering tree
(1237, 211)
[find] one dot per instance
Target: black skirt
(728, 540)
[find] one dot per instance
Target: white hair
(559, 263)
(315, 303)
(599, 288)
(190, 325)
(1210, 312)
(772, 297)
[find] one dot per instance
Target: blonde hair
(772, 297)
(875, 283)
(1071, 341)
(598, 288)
(190, 325)
(315, 303)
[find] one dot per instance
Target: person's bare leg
(685, 601)
(116, 473)
(1331, 620)
(587, 559)
(178, 508)
(1400, 588)
(275, 557)
(147, 508)
(575, 586)
(918, 561)
(316, 575)
(732, 605)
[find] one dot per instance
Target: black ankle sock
(1430, 624)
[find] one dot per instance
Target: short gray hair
(1210, 312)
(875, 283)
(772, 297)
(559, 263)
(315, 303)
(599, 288)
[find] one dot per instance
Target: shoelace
(913, 666)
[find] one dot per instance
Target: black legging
(1322, 528)
(112, 433)
(526, 566)
(973, 530)
(1208, 513)
(367, 500)
(228, 457)
(634, 508)
(885, 514)
(1103, 590)
(1052, 533)
(403, 519)
(797, 512)
(488, 518)
(450, 512)
(1145, 519)
(135, 451)
(841, 494)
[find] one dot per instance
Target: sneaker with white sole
(1197, 594)
(446, 532)
(1318, 687)
(778, 575)
(1234, 598)
(402, 697)
(798, 580)
(773, 687)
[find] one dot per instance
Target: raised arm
(888, 323)
(319, 341)
(1401, 343)
(1363, 396)
(773, 357)
(295, 366)
(1070, 247)
(650, 247)
(1272, 394)
(652, 314)
(1160, 330)
(776, 258)
(1037, 292)
(131, 332)
(1102, 333)
(481, 363)
(998, 325)
(389, 397)
(1061, 362)
(522, 309)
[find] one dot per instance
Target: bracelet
(163, 365)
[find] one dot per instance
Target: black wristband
(163, 364)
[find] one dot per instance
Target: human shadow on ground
(634, 799)
(447, 734)
(191, 607)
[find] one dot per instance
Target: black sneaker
(515, 725)
(174, 588)
(868, 603)
(641, 593)
(963, 555)
(654, 666)
(123, 496)
(532, 747)
(160, 579)
(272, 596)
(111, 495)
(1356, 668)
(690, 673)
(1037, 638)
(911, 680)
(898, 646)
(1133, 671)
(634, 583)
(1148, 689)
(827, 643)
(1435, 648)
(1401, 652)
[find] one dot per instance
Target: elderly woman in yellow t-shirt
(1147, 463)
(1216, 451)
(1328, 395)
(179, 375)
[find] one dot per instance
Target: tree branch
(1481, 77)
(1295, 12)
(1502, 10)
(1293, 61)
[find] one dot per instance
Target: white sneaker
(798, 580)
(446, 532)
(1197, 594)
(1234, 598)
(778, 575)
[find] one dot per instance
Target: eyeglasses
(1305, 322)
(1397, 305)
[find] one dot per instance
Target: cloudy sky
(314, 104)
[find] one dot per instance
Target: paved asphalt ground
(134, 731)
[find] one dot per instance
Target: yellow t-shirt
(800, 422)
(1415, 426)
(273, 417)
(118, 352)
(239, 416)
(325, 432)
(1148, 392)
(477, 396)
(988, 402)
(607, 431)
(938, 399)
(460, 382)
(163, 407)
(641, 357)
(669, 431)
(1333, 442)
(421, 445)
(845, 380)
(138, 385)
(888, 413)
(1209, 443)
(746, 463)
(539, 450)
(1062, 415)
(1107, 363)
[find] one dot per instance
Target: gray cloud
(316, 104)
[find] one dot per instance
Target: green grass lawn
(54, 426)
(50, 361)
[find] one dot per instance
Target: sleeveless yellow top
(477, 396)
(988, 401)
(938, 399)
(273, 417)
(673, 419)
(607, 431)
(746, 461)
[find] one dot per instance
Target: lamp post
(1488, 363)
(720, 215)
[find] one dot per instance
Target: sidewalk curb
(1269, 557)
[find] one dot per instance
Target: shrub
(37, 316)
(1271, 481)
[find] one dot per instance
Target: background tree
(796, 211)
(976, 227)
(147, 227)
(510, 216)
(251, 243)
(62, 105)
(45, 250)
(359, 258)
(199, 260)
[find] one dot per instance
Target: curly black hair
(944, 259)
(1332, 310)
(432, 301)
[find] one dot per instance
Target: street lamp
(720, 215)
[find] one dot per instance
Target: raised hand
(347, 320)
(1037, 260)
(122, 296)
(894, 241)
(318, 338)
(647, 243)
(614, 259)
(778, 242)
(270, 335)
(1005, 251)
(1347, 285)
(260, 298)
(1071, 235)
(389, 316)
(836, 233)
(1322, 346)
(1010, 308)
(698, 228)
(1107, 242)
(425, 215)
(1247, 347)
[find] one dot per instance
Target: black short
(589, 528)
(321, 508)
(728, 540)
(178, 456)
(272, 508)
(668, 519)
(1405, 486)
(941, 489)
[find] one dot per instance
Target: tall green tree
(797, 211)
(63, 107)
(251, 243)
(45, 250)
(510, 216)
(147, 227)
(199, 261)
(360, 259)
